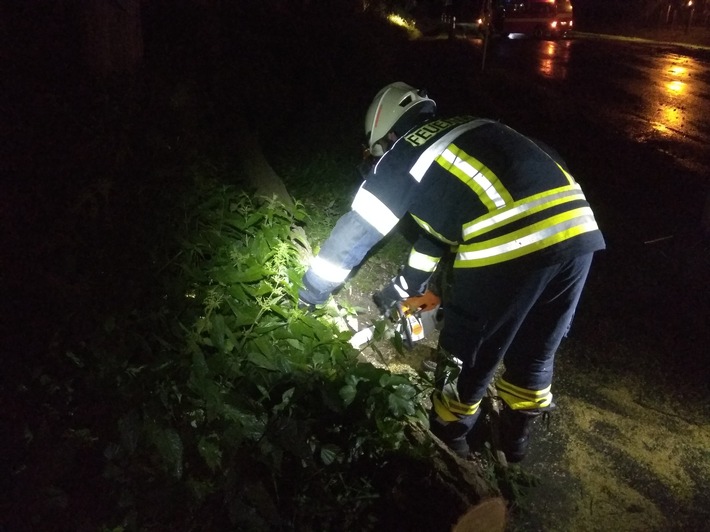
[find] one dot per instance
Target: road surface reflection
(672, 75)
(553, 59)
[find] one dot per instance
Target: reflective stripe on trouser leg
(449, 409)
(451, 420)
(518, 398)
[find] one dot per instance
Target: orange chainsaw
(417, 317)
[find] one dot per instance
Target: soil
(614, 454)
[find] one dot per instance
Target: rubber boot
(480, 434)
(515, 432)
(453, 434)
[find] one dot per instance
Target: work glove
(387, 298)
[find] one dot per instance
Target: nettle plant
(256, 405)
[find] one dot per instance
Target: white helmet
(390, 105)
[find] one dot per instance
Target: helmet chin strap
(378, 150)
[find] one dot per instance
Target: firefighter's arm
(348, 243)
(352, 237)
(414, 278)
(422, 262)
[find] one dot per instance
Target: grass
(125, 401)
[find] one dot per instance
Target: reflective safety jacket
(477, 187)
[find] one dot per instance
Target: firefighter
(522, 234)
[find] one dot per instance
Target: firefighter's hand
(305, 305)
(386, 299)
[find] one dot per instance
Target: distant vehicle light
(553, 24)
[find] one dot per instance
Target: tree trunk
(258, 173)
(441, 492)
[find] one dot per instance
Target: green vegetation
(158, 373)
(225, 395)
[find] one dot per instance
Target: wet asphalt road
(652, 93)
(631, 120)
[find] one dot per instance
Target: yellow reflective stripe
(420, 261)
(569, 177)
(477, 176)
(518, 398)
(373, 211)
(527, 240)
(521, 208)
(428, 228)
(328, 271)
(449, 409)
(426, 159)
(441, 409)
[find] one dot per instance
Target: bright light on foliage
(400, 21)
(241, 379)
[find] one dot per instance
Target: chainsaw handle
(427, 301)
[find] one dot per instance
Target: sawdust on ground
(612, 457)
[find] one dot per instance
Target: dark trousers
(517, 317)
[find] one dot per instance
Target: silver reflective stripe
(569, 193)
(432, 152)
(584, 222)
(401, 290)
(328, 271)
(374, 212)
(481, 180)
(422, 262)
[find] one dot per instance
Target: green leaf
(230, 275)
(391, 380)
(260, 360)
(250, 426)
(348, 393)
(285, 400)
(217, 332)
(238, 293)
(244, 314)
(169, 445)
(210, 452)
(330, 453)
(369, 372)
(400, 406)
(199, 365)
(264, 345)
(301, 328)
(277, 309)
(295, 344)
(253, 219)
(398, 343)
(268, 327)
(72, 356)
